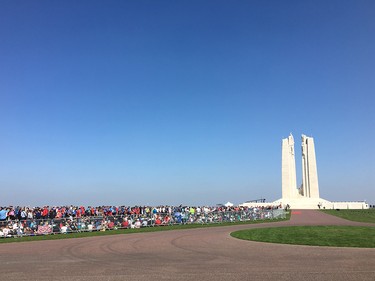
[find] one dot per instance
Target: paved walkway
(194, 254)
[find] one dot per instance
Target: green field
(354, 215)
(129, 231)
(334, 236)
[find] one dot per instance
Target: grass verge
(354, 215)
(129, 231)
(334, 236)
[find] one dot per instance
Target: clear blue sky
(183, 102)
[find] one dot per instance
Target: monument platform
(310, 204)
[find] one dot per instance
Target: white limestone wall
(349, 205)
(312, 204)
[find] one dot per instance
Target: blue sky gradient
(183, 102)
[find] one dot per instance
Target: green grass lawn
(354, 215)
(335, 236)
(128, 231)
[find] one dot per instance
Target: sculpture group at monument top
(307, 195)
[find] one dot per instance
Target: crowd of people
(21, 221)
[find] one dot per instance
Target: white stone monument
(307, 196)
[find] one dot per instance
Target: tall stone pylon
(307, 196)
(310, 187)
(288, 169)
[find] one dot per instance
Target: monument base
(309, 204)
(305, 203)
